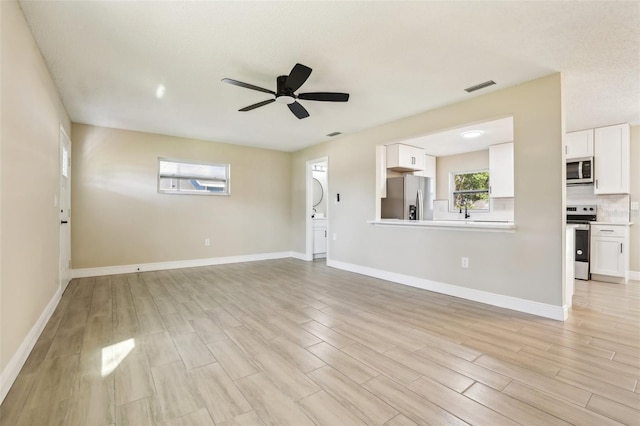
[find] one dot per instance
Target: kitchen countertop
(448, 224)
(612, 223)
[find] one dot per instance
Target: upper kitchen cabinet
(579, 144)
(612, 159)
(405, 158)
(501, 170)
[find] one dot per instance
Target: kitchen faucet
(466, 212)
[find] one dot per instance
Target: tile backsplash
(611, 208)
(501, 211)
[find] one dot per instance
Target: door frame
(309, 206)
(64, 276)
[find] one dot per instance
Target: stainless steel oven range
(581, 216)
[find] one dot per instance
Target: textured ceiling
(396, 59)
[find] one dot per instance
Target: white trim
(176, 264)
(634, 275)
(301, 256)
(15, 364)
(522, 305)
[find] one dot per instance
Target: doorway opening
(65, 209)
(317, 209)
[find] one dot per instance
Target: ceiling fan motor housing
(284, 95)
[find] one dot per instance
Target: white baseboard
(177, 264)
(300, 256)
(634, 275)
(15, 364)
(522, 305)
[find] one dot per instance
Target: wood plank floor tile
(400, 420)
(133, 379)
(323, 409)
(160, 349)
(197, 418)
(548, 403)
(192, 350)
(175, 395)
(368, 407)
(292, 342)
(414, 406)
(458, 404)
(273, 407)
(622, 413)
(345, 364)
(510, 407)
(550, 385)
(234, 361)
(247, 419)
(217, 391)
(291, 381)
(430, 369)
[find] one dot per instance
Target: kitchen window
(470, 190)
(190, 177)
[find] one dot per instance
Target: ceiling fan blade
(258, 105)
(247, 86)
(324, 96)
(298, 110)
(298, 75)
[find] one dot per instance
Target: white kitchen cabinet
(319, 237)
(612, 159)
(579, 144)
(404, 158)
(609, 250)
(501, 170)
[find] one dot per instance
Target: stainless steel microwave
(580, 171)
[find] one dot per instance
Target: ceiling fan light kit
(286, 85)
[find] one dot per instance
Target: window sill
(461, 225)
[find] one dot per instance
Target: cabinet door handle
(606, 230)
(325, 233)
(596, 183)
(620, 247)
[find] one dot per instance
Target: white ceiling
(396, 59)
(451, 142)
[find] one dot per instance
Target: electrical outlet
(207, 242)
(465, 262)
(335, 236)
(634, 206)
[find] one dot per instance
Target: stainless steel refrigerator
(409, 197)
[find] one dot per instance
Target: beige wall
(31, 116)
(119, 218)
(526, 264)
(469, 161)
(635, 196)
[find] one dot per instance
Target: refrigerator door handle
(420, 206)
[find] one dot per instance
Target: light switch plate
(634, 206)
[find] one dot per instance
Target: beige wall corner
(119, 218)
(32, 113)
(634, 264)
(527, 264)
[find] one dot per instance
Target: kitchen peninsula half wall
(523, 269)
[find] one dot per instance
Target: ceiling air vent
(480, 86)
(334, 134)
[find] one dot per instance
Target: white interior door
(65, 209)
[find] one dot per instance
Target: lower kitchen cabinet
(610, 250)
(319, 237)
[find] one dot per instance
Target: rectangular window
(188, 177)
(470, 190)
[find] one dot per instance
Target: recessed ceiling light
(470, 134)
(160, 91)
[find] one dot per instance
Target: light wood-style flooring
(291, 342)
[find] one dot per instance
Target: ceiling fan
(286, 85)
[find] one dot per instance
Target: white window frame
(179, 177)
(452, 189)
